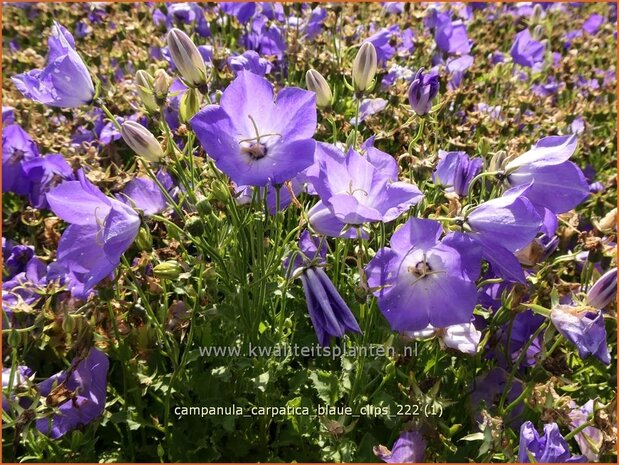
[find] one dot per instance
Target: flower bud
(144, 83)
(422, 91)
(204, 206)
(364, 67)
(190, 105)
(604, 291)
(538, 32)
(318, 84)
(537, 14)
(141, 141)
(144, 240)
(169, 269)
(187, 58)
(161, 85)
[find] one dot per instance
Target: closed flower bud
(364, 67)
(161, 86)
(144, 82)
(190, 105)
(187, 58)
(538, 32)
(144, 240)
(422, 92)
(169, 269)
(604, 291)
(318, 84)
(537, 14)
(141, 141)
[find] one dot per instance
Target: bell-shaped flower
(557, 184)
(527, 51)
(101, 230)
(18, 148)
(255, 139)
(421, 280)
(65, 81)
(410, 447)
(550, 447)
(455, 171)
(356, 189)
(328, 312)
(583, 327)
(79, 394)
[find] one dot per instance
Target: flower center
(255, 150)
(420, 269)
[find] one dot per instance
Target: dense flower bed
(309, 232)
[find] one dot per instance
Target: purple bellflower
(526, 51)
(422, 91)
(455, 171)
(604, 291)
(87, 384)
(557, 184)
(410, 447)
(329, 313)
(101, 230)
(451, 36)
(45, 173)
(18, 148)
(421, 280)
(583, 327)
(356, 189)
(503, 226)
(65, 81)
(254, 139)
(550, 447)
(249, 61)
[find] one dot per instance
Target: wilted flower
(101, 230)
(526, 51)
(455, 171)
(583, 327)
(551, 447)
(410, 447)
(364, 67)
(86, 384)
(65, 81)
(329, 313)
(590, 439)
(354, 191)
(141, 141)
(422, 91)
(254, 139)
(462, 337)
(187, 58)
(421, 280)
(604, 291)
(20, 374)
(319, 85)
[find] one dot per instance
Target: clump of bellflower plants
(309, 232)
